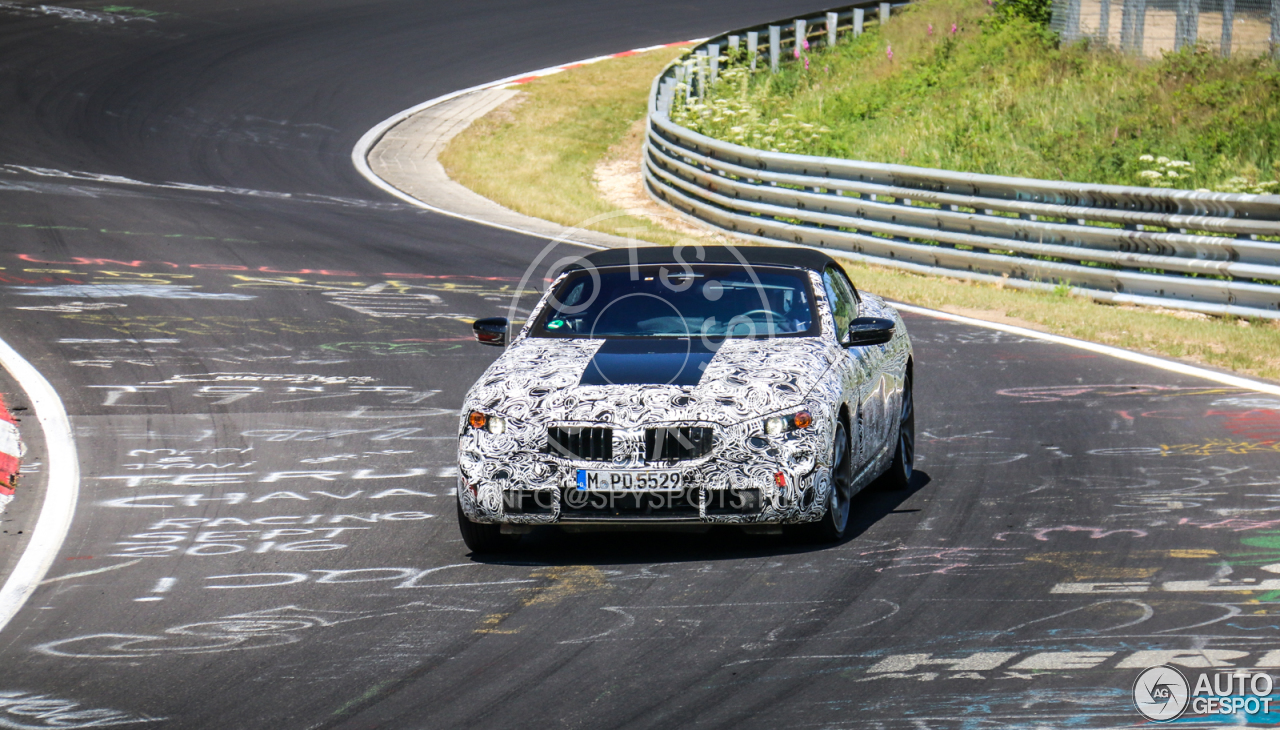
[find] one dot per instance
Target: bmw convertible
(750, 386)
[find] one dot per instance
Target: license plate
(628, 481)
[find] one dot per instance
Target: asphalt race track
(265, 536)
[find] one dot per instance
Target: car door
(862, 366)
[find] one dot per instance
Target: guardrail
(1217, 253)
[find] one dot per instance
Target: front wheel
(898, 475)
(482, 538)
(833, 524)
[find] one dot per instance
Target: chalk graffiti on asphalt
(143, 326)
(74, 307)
(204, 536)
(245, 477)
(1055, 393)
(238, 632)
(115, 291)
(403, 578)
(226, 388)
(195, 499)
(22, 710)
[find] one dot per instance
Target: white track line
(1172, 366)
(359, 158)
(61, 493)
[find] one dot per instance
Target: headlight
(495, 425)
(778, 425)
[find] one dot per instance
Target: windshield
(695, 301)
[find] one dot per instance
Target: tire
(481, 538)
(835, 521)
(898, 475)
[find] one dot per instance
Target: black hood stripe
(659, 361)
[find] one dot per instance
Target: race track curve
(264, 536)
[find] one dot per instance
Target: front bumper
(737, 483)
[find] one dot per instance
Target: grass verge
(543, 155)
(538, 153)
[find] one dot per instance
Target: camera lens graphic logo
(1161, 693)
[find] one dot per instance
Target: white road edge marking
(360, 153)
(1172, 366)
(72, 576)
(61, 493)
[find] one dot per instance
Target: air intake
(587, 443)
(677, 443)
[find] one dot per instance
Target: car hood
(635, 382)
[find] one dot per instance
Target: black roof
(807, 258)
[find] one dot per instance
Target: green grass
(1000, 97)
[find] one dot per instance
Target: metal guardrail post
(833, 22)
(1275, 28)
(1187, 26)
(1132, 24)
(1126, 25)
(1193, 22)
(1228, 23)
(801, 30)
(713, 60)
(735, 43)
(775, 47)
(1140, 30)
(884, 13)
(700, 59)
(753, 45)
(859, 19)
(1071, 27)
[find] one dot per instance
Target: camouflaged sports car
(751, 386)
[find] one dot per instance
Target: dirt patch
(620, 181)
(1178, 313)
(505, 113)
(993, 315)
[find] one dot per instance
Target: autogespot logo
(1161, 693)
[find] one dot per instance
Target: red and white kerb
(10, 453)
(565, 67)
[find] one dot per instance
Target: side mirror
(869, 331)
(491, 331)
